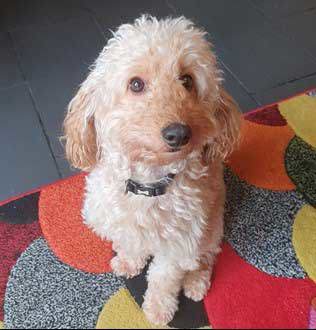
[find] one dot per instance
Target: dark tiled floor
(54, 59)
(25, 156)
(266, 48)
(10, 72)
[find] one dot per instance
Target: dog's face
(154, 95)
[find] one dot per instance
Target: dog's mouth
(176, 153)
(163, 155)
(174, 149)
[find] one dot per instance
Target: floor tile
(247, 42)
(10, 72)
(290, 89)
(26, 162)
(22, 13)
(283, 8)
(55, 59)
(51, 98)
(111, 14)
(56, 50)
(233, 87)
(301, 29)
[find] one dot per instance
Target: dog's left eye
(136, 85)
(187, 81)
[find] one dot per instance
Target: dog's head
(154, 94)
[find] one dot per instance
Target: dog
(152, 125)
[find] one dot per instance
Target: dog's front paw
(196, 284)
(126, 268)
(159, 309)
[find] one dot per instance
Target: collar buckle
(152, 189)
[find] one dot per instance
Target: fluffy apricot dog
(152, 126)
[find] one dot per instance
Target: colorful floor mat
(55, 273)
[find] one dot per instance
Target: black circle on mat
(258, 225)
(190, 315)
(21, 211)
(300, 163)
(44, 293)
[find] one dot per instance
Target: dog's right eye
(187, 81)
(136, 85)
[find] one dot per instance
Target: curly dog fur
(115, 134)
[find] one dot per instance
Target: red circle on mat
(73, 242)
(14, 239)
(270, 115)
(242, 297)
(314, 303)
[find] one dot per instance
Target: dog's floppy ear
(79, 131)
(228, 120)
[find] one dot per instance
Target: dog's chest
(179, 216)
(178, 211)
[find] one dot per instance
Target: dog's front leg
(196, 283)
(164, 284)
(128, 263)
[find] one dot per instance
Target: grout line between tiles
(287, 82)
(309, 75)
(16, 53)
(44, 130)
(243, 86)
(17, 84)
(34, 104)
(96, 22)
(171, 7)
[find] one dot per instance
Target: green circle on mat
(300, 163)
(43, 293)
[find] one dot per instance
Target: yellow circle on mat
(122, 312)
(304, 239)
(1, 325)
(300, 114)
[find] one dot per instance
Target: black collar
(149, 189)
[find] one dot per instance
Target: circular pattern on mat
(62, 225)
(300, 113)
(312, 315)
(122, 312)
(21, 210)
(300, 162)
(44, 293)
(183, 317)
(14, 239)
(258, 224)
(304, 239)
(260, 158)
(268, 116)
(242, 297)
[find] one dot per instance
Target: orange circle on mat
(62, 225)
(260, 158)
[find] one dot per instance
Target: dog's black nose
(176, 134)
